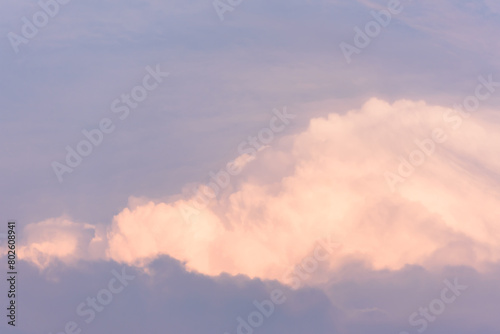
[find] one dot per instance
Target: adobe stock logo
(296, 277)
(221, 180)
(221, 7)
(95, 136)
(363, 37)
(30, 28)
(437, 306)
(94, 305)
(453, 119)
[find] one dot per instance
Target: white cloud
(62, 240)
(443, 214)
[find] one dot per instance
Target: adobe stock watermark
(453, 119)
(300, 273)
(102, 299)
(222, 178)
(436, 307)
(30, 28)
(266, 308)
(94, 137)
(222, 6)
(372, 29)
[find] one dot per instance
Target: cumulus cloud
(355, 178)
(60, 239)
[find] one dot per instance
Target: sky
(240, 167)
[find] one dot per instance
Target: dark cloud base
(172, 300)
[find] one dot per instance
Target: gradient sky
(378, 191)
